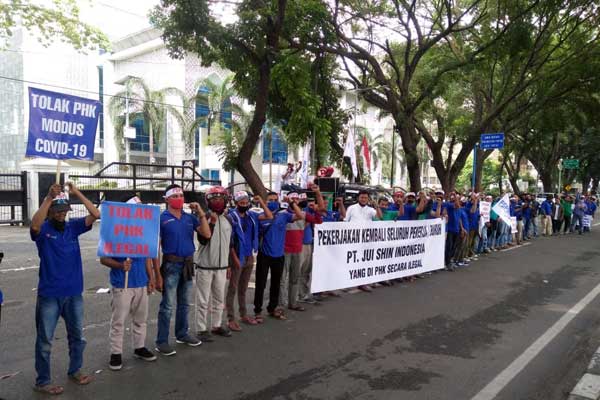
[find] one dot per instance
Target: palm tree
(152, 105)
(223, 113)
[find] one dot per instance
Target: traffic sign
(490, 141)
(571, 164)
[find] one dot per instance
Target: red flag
(366, 154)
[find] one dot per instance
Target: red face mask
(176, 203)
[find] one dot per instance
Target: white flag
(305, 164)
(502, 208)
(350, 152)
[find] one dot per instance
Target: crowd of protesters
(209, 255)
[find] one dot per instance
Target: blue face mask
(273, 205)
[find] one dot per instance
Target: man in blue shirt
(245, 225)
(452, 209)
(60, 286)
(271, 256)
(546, 215)
(177, 230)
(590, 210)
(129, 300)
(516, 210)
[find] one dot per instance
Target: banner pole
(58, 165)
(127, 276)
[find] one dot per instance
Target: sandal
(258, 319)
(80, 379)
(249, 320)
(234, 326)
(297, 308)
(53, 390)
(278, 314)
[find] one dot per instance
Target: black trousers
(265, 263)
(452, 241)
(556, 224)
(567, 223)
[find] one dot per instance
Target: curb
(588, 387)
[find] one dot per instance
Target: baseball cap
(60, 203)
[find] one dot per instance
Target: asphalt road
(446, 337)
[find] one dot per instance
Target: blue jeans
(577, 219)
(175, 288)
(47, 312)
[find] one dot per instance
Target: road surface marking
(517, 246)
(19, 269)
(503, 379)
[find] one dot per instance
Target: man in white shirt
(361, 212)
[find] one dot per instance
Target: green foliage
(49, 23)
(489, 179)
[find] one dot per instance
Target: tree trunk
(409, 144)
(244, 162)
(547, 181)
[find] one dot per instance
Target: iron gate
(13, 198)
(147, 180)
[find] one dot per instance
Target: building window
(211, 174)
(203, 110)
(142, 136)
(279, 147)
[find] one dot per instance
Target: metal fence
(13, 198)
(148, 181)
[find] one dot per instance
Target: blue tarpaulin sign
(61, 126)
(491, 141)
(128, 230)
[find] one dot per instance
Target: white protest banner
(513, 225)
(587, 221)
(502, 208)
(485, 208)
(348, 254)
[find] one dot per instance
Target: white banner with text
(348, 254)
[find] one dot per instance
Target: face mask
(217, 206)
(410, 201)
(58, 225)
(383, 209)
(273, 206)
(303, 204)
(243, 209)
(176, 203)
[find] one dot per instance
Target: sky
(116, 18)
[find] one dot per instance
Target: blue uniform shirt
(177, 235)
(137, 274)
(464, 217)
(513, 210)
(61, 270)
(245, 233)
(473, 217)
(273, 231)
(453, 216)
(410, 211)
(546, 207)
(332, 216)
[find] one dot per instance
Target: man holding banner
(132, 279)
(177, 270)
(60, 286)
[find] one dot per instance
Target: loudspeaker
(328, 184)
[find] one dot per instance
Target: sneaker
(144, 354)
(221, 332)
(308, 300)
(165, 349)
(189, 340)
(205, 337)
(116, 362)
(460, 264)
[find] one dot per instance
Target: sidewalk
(588, 387)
